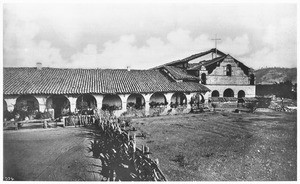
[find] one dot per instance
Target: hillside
(275, 75)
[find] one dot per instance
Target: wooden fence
(120, 157)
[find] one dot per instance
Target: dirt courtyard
(57, 154)
(223, 146)
(211, 146)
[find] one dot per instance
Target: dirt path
(58, 154)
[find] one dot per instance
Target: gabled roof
(187, 59)
(211, 64)
(179, 74)
(205, 63)
(98, 81)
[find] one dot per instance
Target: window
(228, 70)
(203, 78)
(228, 93)
(215, 93)
(241, 94)
(251, 79)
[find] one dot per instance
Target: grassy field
(223, 146)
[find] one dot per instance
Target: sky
(144, 35)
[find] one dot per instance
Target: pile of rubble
(283, 105)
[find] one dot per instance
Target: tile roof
(180, 74)
(98, 81)
(206, 63)
(187, 59)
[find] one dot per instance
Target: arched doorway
(252, 79)
(178, 98)
(203, 78)
(157, 99)
(86, 101)
(197, 100)
(4, 106)
(241, 94)
(6, 114)
(111, 102)
(228, 70)
(27, 103)
(228, 93)
(60, 104)
(215, 93)
(136, 100)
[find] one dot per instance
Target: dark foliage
(283, 89)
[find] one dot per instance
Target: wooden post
(156, 161)
(86, 120)
(114, 175)
(64, 121)
(45, 124)
(79, 117)
(143, 149)
(147, 150)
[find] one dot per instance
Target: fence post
(147, 150)
(156, 161)
(143, 149)
(79, 118)
(128, 136)
(133, 151)
(45, 124)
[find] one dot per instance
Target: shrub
(153, 104)
(214, 105)
(8, 115)
(251, 106)
(105, 107)
(130, 104)
(174, 105)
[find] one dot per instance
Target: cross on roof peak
(216, 39)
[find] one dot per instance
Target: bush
(251, 106)
(153, 104)
(130, 104)
(214, 105)
(109, 108)
(174, 105)
(8, 115)
(105, 107)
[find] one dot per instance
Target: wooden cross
(216, 42)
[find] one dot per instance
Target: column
(188, 100)
(188, 103)
(206, 96)
(72, 100)
(42, 102)
(99, 99)
(147, 101)
(11, 102)
(124, 102)
(168, 98)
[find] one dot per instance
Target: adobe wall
(218, 76)
(248, 89)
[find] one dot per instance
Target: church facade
(225, 76)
